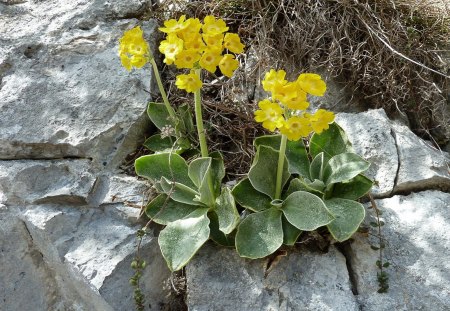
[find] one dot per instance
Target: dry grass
(391, 54)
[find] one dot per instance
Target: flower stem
(199, 120)
(281, 156)
(162, 91)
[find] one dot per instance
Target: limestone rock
(370, 134)
(218, 279)
(63, 181)
(417, 238)
(64, 92)
(421, 165)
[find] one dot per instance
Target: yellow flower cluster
(286, 109)
(192, 44)
(133, 49)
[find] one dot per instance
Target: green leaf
(218, 236)
(349, 215)
(159, 115)
(260, 234)
(299, 184)
(181, 239)
(290, 232)
(163, 210)
(331, 142)
(354, 189)
(186, 125)
(317, 167)
(306, 211)
(217, 171)
(344, 167)
(169, 165)
(157, 143)
(198, 169)
(179, 192)
(296, 154)
(226, 211)
(250, 198)
(263, 173)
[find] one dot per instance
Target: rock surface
(218, 279)
(69, 115)
(417, 238)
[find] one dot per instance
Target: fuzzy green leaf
(354, 189)
(169, 165)
(185, 114)
(200, 174)
(157, 143)
(249, 197)
(343, 167)
(179, 192)
(349, 215)
(159, 115)
(226, 211)
(163, 210)
(290, 232)
(217, 172)
(260, 234)
(263, 173)
(181, 239)
(295, 153)
(218, 236)
(331, 142)
(317, 167)
(299, 184)
(306, 211)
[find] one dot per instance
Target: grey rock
(422, 166)
(370, 135)
(218, 279)
(64, 92)
(417, 236)
(400, 160)
(97, 246)
(62, 181)
(33, 275)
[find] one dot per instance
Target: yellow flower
(210, 59)
(228, 65)
(174, 26)
(190, 82)
(312, 84)
(213, 41)
(270, 115)
(320, 120)
(213, 26)
(232, 42)
(187, 59)
(171, 47)
(284, 93)
(296, 127)
(195, 42)
(133, 49)
(194, 29)
(273, 78)
(297, 102)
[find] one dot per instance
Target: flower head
(195, 42)
(190, 82)
(270, 114)
(133, 49)
(297, 102)
(228, 64)
(320, 120)
(213, 26)
(193, 28)
(210, 59)
(272, 79)
(171, 47)
(296, 127)
(187, 59)
(174, 26)
(284, 92)
(214, 41)
(312, 84)
(232, 42)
